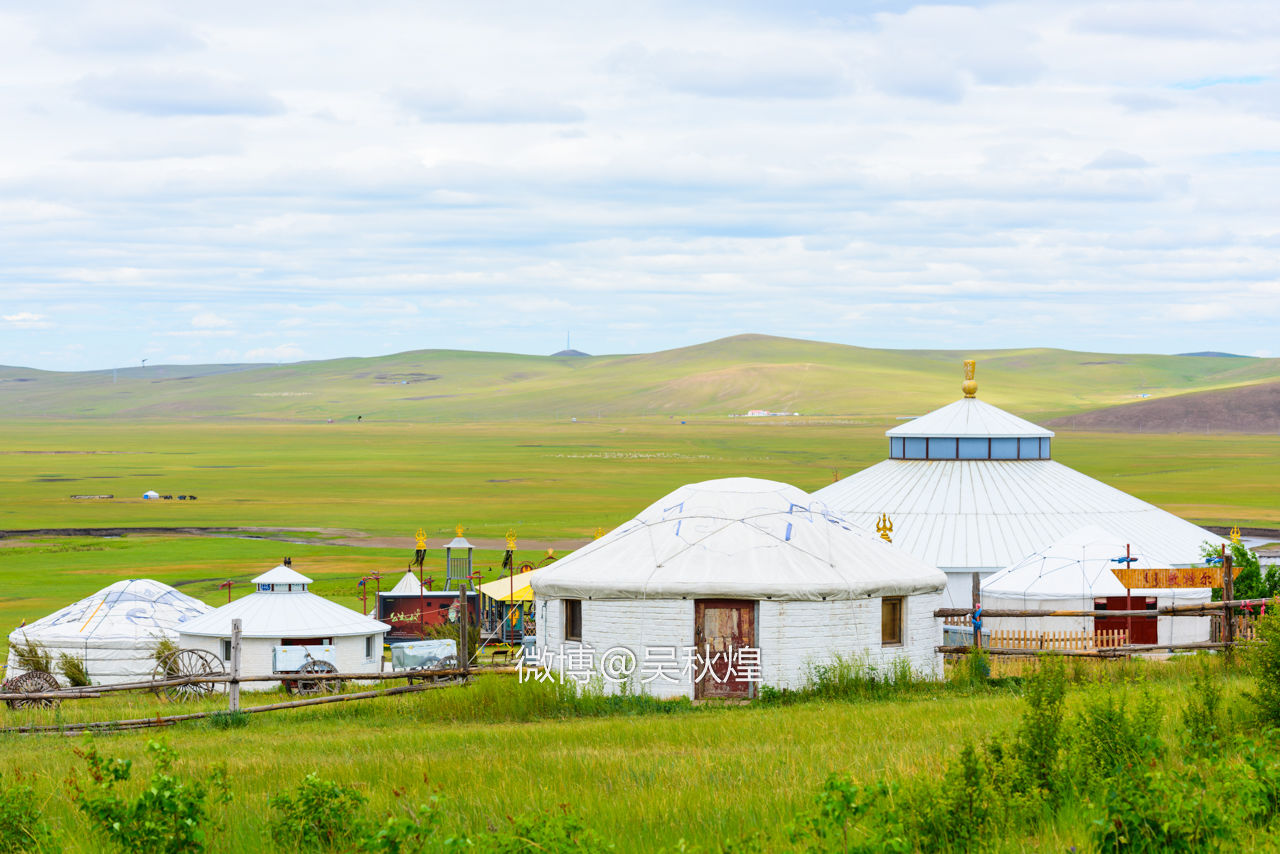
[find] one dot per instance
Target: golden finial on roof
(599, 532)
(421, 538)
(1235, 535)
(511, 541)
(458, 530)
(970, 385)
(884, 527)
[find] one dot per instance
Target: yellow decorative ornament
(421, 538)
(511, 541)
(458, 530)
(884, 527)
(599, 532)
(1235, 535)
(970, 385)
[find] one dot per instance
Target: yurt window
(891, 621)
(573, 619)
(368, 648)
(226, 649)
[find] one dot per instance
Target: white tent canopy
(1079, 566)
(737, 538)
(115, 631)
(408, 585)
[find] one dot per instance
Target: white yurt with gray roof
(719, 572)
(114, 631)
(970, 488)
(282, 612)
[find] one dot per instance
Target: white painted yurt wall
(256, 655)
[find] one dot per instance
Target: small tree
(1262, 657)
(1252, 580)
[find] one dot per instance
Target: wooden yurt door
(722, 627)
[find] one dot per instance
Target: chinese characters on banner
(1166, 579)
(668, 664)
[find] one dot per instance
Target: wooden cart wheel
(31, 682)
(187, 662)
(317, 686)
(449, 662)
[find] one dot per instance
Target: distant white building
(971, 488)
(283, 612)
(737, 564)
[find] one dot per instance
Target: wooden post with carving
(233, 688)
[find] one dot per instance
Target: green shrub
(410, 830)
(1108, 739)
(1262, 657)
(1161, 812)
(73, 668)
(546, 833)
(320, 815)
(167, 816)
(32, 655)
(22, 826)
(1039, 734)
(1201, 717)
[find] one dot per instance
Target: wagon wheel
(317, 686)
(187, 662)
(31, 682)
(449, 662)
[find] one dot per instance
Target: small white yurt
(1075, 574)
(114, 631)
(729, 568)
(150, 494)
(282, 612)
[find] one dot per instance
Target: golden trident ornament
(598, 533)
(511, 541)
(421, 537)
(884, 527)
(1235, 535)
(458, 530)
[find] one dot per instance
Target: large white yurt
(721, 569)
(114, 631)
(1075, 574)
(283, 612)
(970, 488)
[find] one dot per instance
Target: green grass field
(700, 774)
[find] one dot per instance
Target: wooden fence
(1233, 628)
(1061, 640)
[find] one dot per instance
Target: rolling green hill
(723, 377)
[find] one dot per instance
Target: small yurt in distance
(114, 632)
(283, 612)
(1075, 574)
(726, 566)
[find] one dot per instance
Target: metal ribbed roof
(284, 615)
(282, 575)
(987, 514)
(408, 585)
(969, 418)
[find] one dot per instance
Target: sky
(273, 182)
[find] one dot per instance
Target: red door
(1140, 629)
(722, 627)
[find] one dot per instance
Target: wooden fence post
(1228, 618)
(233, 688)
(464, 629)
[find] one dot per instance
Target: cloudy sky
(230, 181)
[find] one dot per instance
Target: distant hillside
(1245, 409)
(1217, 354)
(731, 375)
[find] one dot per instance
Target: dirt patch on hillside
(1247, 409)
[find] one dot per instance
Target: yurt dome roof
(1078, 566)
(737, 538)
(408, 585)
(986, 498)
(127, 612)
(271, 614)
(282, 575)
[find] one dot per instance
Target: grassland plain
(704, 775)
(717, 378)
(548, 481)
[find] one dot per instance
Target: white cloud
(171, 92)
(27, 320)
(279, 353)
(209, 320)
